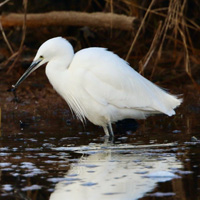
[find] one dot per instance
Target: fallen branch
(71, 18)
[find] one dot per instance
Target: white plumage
(99, 85)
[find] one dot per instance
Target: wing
(110, 80)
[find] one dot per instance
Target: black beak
(32, 67)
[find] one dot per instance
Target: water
(44, 154)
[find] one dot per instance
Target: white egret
(99, 85)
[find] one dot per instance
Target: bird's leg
(105, 128)
(108, 130)
(111, 134)
(109, 137)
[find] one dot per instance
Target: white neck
(56, 70)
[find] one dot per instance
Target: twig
(12, 57)
(4, 2)
(171, 20)
(111, 21)
(164, 30)
(183, 36)
(6, 39)
(25, 2)
(143, 63)
(187, 69)
(2, 31)
(140, 28)
(0, 121)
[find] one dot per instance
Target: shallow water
(50, 156)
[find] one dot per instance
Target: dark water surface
(50, 156)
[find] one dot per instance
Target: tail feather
(168, 103)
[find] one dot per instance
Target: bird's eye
(41, 57)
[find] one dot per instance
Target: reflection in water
(116, 174)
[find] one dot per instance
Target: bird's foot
(109, 139)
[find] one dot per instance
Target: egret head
(49, 50)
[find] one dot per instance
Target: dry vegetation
(162, 38)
